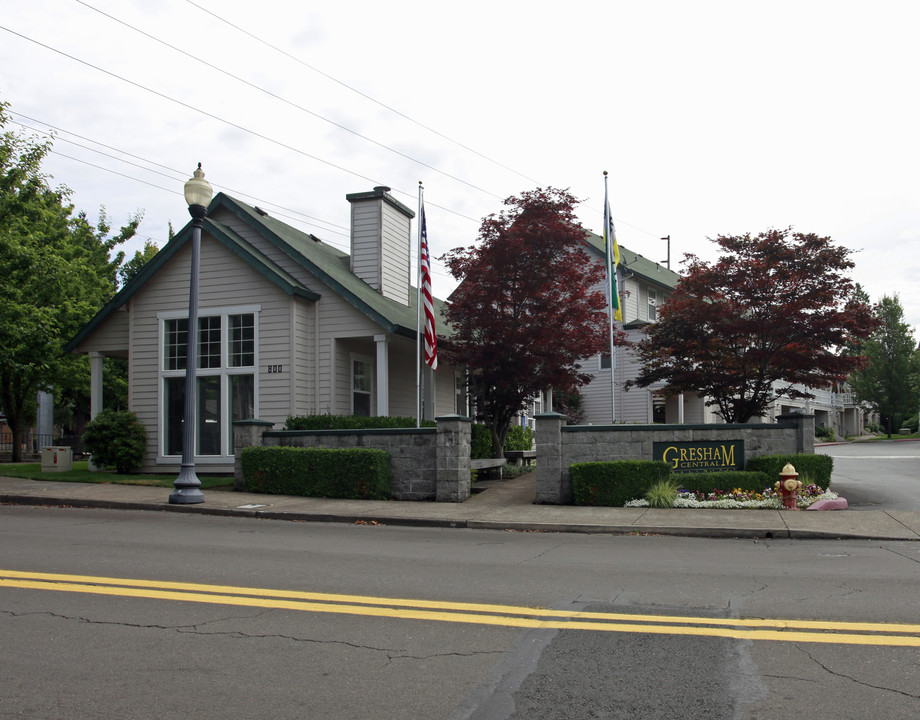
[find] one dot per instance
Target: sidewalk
(502, 505)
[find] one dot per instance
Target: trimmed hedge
(615, 483)
(350, 422)
(818, 468)
(725, 481)
(358, 473)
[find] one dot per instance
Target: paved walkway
(503, 505)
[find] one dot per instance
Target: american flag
(431, 338)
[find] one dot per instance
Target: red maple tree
(775, 311)
(525, 311)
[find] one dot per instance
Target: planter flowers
(739, 499)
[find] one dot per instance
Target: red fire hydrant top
(788, 487)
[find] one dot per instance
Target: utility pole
(668, 261)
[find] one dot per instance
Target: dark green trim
(226, 237)
(396, 320)
(633, 263)
(341, 433)
(375, 314)
(677, 428)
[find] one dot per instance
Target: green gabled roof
(326, 263)
(633, 262)
(330, 266)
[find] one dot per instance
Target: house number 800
(274, 368)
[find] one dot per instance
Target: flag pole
(612, 298)
(418, 313)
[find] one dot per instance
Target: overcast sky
(710, 117)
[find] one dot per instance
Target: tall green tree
(888, 383)
(132, 267)
(56, 271)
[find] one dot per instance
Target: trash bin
(57, 459)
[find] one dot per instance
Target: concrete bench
(520, 456)
(488, 464)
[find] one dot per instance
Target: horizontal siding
(224, 281)
(110, 337)
(365, 243)
(403, 392)
(395, 260)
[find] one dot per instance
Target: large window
(652, 305)
(225, 379)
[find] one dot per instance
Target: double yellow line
(844, 633)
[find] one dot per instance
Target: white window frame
(224, 371)
(652, 309)
(369, 361)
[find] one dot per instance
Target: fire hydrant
(788, 487)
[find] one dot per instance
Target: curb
(711, 532)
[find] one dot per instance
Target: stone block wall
(427, 463)
(565, 445)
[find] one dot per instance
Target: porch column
(95, 395)
(95, 383)
(383, 375)
(680, 409)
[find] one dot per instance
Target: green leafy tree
(888, 383)
(773, 316)
(132, 267)
(56, 271)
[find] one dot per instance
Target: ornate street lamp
(187, 486)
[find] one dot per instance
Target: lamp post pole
(187, 486)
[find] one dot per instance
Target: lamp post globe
(187, 486)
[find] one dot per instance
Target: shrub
(356, 473)
(519, 438)
(615, 483)
(116, 438)
(480, 442)
(825, 433)
(816, 467)
(350, 422)
(662, 494)
(752, 481)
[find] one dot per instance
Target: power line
(290, 102)
(361, 93)
(331, 226)
(230, 123)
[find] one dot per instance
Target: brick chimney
(381, 242)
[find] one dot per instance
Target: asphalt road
(877, 475)
(116, 614)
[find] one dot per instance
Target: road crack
(853, 679)
(392, 654)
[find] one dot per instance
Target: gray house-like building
(288, 325)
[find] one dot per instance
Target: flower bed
(739, 499)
